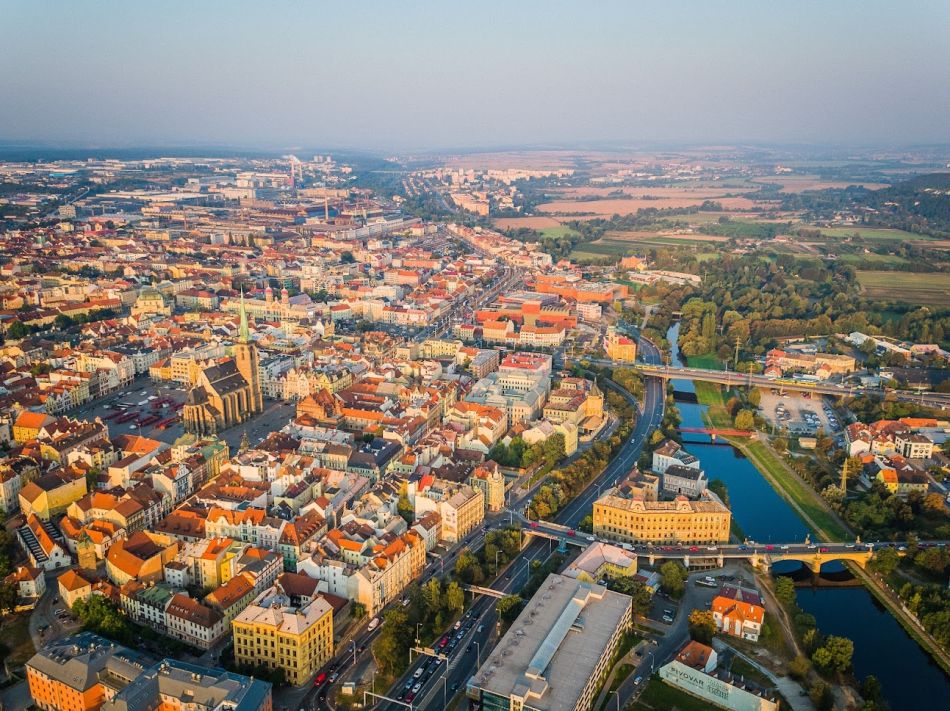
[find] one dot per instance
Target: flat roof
(548, 656)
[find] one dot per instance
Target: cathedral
(227, 392)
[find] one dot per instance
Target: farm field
(801, 183)
(539, 222)
(929, 289)
(884, 260)
(557, 231)
(652, 236)
(872, 233)
(626, 206)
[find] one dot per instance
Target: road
(458, 672)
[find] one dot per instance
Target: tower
(247, 361)
(844, 477)
(86, 553)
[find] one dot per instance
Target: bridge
(479, 590)
(716, 431)
(763, 556)
(940, 401)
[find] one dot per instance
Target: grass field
(559, 231)
(884, 260)
(930, 289)
(16, 637)
(871, 233)
(709, 361)
(711, 395)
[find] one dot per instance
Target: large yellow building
(681, 521)
(274, 633)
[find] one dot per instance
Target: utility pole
(735, 359)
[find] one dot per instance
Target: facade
(228, 392)
(556, 654)
(274, 632)
(489, 479)
(739, 611)
(694, 671)
(681, 521)
(670, 453)
(684, 481)
(619, 347)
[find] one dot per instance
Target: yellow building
(491, 481)
(51, 494)
(28, 424)
(274, 633)
(620, 347)
(681, 521)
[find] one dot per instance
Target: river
(909, 677)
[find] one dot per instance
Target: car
(823, 549)
(480, 628)
(455, 686)
(636, 682)
(591, 539)
(361, 649)
(409, 684)
(667, 619)
(321, 677)
(419, 672)
(849, 545)
(711, 548)
(333, 677)
(458, 624)
(534, 524)
(444, 641)
(785, 548)
(415, 689)
(693, 549)
(571, 533)
(410, 696)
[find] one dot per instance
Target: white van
(373, 624)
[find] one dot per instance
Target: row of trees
(521, 455)
(500, 547)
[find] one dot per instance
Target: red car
(534, 524)
(321, 677)
(693, 549)
(571, 533)
(822, 550)
(770, 548)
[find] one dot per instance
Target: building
(619, 347)
(227, 392)
(187, 619)
(172, 685)
(81, 672)
(669, 453)
(739, 611)
(684, 481)
(30, 582)
(694, 671)
(43, 543)
(275, 633)
(913, 446)
(602, 560)
(142, 556)
(556, 654)
(461, 507)
(51, 494)
(489, 479)
(681, 521)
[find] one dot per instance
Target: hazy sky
(415, 75)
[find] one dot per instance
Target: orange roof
(32, 420)
(72, 581)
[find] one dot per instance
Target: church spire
(244, 332)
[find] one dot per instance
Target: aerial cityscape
(402, 358)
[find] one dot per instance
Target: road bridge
(716, 431)
(763, 556)
(927, 398)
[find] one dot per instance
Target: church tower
(86, 554)
(246, 359)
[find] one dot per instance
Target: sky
(411, 76)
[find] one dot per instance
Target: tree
(702, 626)
(822, 696)
(933, 504)
(785, 590)
(454, 597)
(405, 509)
(834, 655)
(432, 595)
(754, 397)
(347, 257)
(798, 667)
(8, 597)
(357, 610)
(673, 578)
(17, 330)
(885, 561)
(642, 597)
(508, 608)
(745, 420)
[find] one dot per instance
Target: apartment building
(275, 633)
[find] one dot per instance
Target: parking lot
(799, 414)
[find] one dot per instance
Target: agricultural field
(873, 233)
(538, 222)
(929, 289)
(626, 206)
(801, 183)
(883, 260)
(557, 231)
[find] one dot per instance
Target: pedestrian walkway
(630, 658)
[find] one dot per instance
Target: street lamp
(478, 654)
(614, 691)
(417, 633)
(445, 683)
